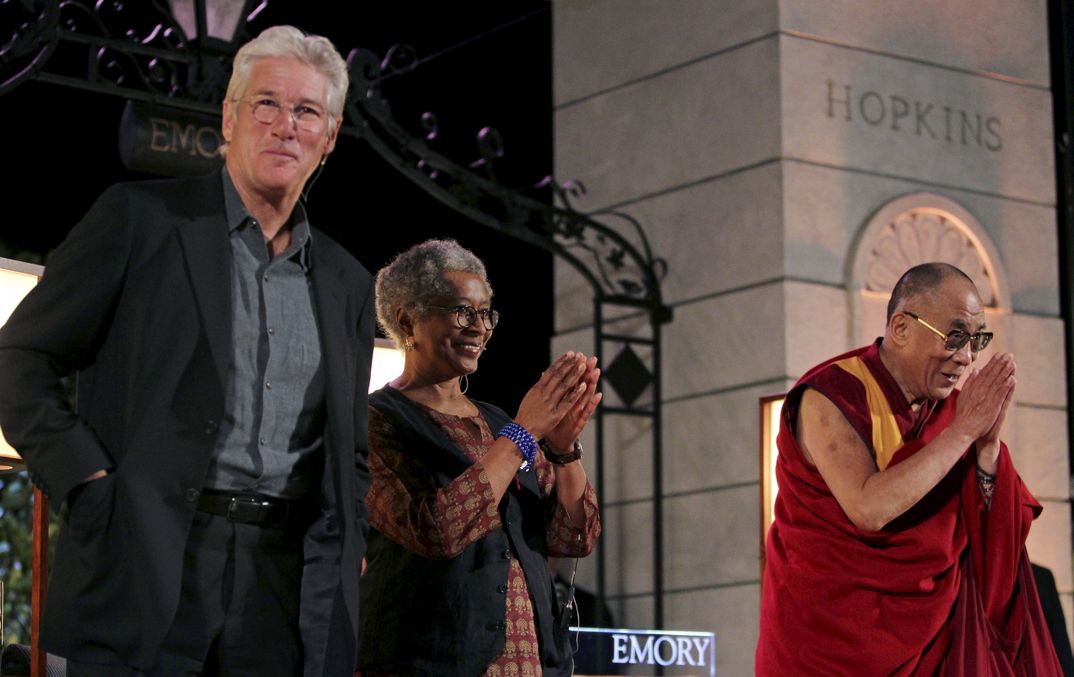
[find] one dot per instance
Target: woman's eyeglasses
(467, 315)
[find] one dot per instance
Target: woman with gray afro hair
(465, 505)
(415, 279)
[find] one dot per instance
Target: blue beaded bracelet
(523, 440)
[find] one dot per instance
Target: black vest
(446, 617)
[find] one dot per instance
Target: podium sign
(643, 653)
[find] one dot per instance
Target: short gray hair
(289, 42)
(414, 280)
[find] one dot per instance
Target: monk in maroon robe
(898, 545)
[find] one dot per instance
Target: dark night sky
(61, 152)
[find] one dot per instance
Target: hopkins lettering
(924, 119)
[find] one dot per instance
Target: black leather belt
(264, 511)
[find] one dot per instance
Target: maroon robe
(944, 589)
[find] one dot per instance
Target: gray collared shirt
(273, 427)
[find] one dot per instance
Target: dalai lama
(898, 546)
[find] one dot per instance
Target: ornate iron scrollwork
(108, 47)
(619, 266)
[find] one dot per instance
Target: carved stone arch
(912, 229)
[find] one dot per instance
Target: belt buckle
(246, 509)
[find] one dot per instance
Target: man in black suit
(214, 471)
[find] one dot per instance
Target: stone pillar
(788, 158)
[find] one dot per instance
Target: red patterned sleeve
(406, 505)
(566, 539)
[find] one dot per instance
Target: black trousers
(238, 606)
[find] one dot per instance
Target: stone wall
(780, 155)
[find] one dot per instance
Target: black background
(485, 64)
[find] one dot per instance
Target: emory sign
(660, 650)
(616, 651)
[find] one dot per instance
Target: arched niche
(919, 228)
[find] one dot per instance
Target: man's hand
(988, 443)
(95, 476)
(982, 407)
(72, 495)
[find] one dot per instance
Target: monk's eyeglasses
(956, 338)
(467, 315)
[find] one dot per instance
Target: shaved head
(923, 281)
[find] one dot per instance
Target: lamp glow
(387, 363)
(771, 408)
(222, 17)
(16, 281)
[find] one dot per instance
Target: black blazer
(137, 302)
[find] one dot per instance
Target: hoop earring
(464, 383)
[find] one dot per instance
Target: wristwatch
(562, 459)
